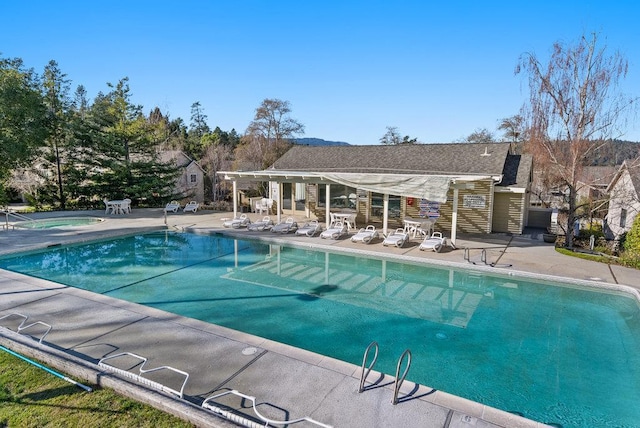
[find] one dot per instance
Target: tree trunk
(571, 217)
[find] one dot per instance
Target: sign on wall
(474, 201)
(429, 209)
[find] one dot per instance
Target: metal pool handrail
(365, 373)
(400, 380)
(139, 377)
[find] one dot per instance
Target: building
(624, 199)
(190, 183)
(470, 188)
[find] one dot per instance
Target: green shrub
(631, 245)
(632, 240)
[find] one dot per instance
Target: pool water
(556, 354)
(51, 223)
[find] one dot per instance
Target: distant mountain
(318, 142)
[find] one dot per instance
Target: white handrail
(247, 422)
(22, 325)
(142, 370)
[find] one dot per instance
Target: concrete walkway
(288, 382)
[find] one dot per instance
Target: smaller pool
(51, 223)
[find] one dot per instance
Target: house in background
(191, 181)
(624, 199)
(471, 188)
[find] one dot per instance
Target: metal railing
(246, 422)
(142, 371)
(23, 326)
(400, 380)
(365, 373)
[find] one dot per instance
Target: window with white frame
(193, 178)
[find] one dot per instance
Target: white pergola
(433, 187)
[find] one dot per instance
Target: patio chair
(110, 208)
(397, 238)
(192, 206)
(434, 242)
(172, 206)
(365, 235)
(238, 222)
(265, 224)
(125, 207)
(289, 225)
(334, 232)
(310, 229)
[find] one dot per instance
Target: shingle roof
(455, 158)
(517, 169)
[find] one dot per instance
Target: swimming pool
(561, 355)
(51, 223)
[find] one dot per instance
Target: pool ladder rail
(8, 213)
(399, 380)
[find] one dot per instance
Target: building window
(193, 178)
(623, 217)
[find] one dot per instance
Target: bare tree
(393, 137)
(267, 136)
(481, 135)
(573, 109)
(216, 158)
(513, 129)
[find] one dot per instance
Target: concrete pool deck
(288, 381)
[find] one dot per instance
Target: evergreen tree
(22, 118)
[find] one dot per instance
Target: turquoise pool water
(556, 354)
(51, 223)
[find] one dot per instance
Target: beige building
(470, 188)
(624, 199)
(190, 183)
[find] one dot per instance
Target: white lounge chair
(434, 242)
(289, 225)
(172, 206)
(397, 238)
(238, 222)
(265, 224)
(310, 229)
(334, 232)
(191, 206)
(365, 235)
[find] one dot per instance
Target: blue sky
(436, 71)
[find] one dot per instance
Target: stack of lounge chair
(397, 238)
(310, 229)
(434, 242)
(335, 231)
(265, 224)
(191, 206)
(238, 222)
(365, 235)
(289, 225)
(172, 206)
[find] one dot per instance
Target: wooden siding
(507, 212)
(470, 220)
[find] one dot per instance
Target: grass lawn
(31, 397)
